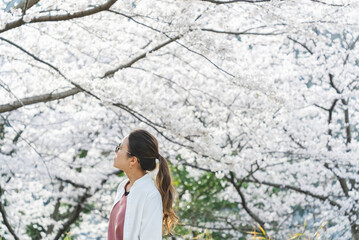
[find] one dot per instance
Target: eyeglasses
(119, 147)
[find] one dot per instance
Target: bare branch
(342, 182)
(6, 222)
(294, 140)
(38, 99)
(74, 215)
(209, 60)
(55, 213)
(136, 114)
(76, 185)
(301, 44)
(130, 63)
(138, 22)
(351, 47)
(329, 4)
(330, 117)
(331, 76)
(64, 17)
(24, 8)
(346, 120)
(345, 103)
(231, 179)
(246, 32)
(195, 166)
(325, 109)
(235, 1)
(297, 189)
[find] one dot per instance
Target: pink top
(117, 218)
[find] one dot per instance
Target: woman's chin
(116, 166)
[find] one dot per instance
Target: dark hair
(144, 146)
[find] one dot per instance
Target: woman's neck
(133, 176)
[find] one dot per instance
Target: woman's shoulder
(149, 188)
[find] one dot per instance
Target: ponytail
(167, 191)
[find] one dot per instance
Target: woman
(141, 208)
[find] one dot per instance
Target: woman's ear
(133, 161)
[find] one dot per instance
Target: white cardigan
(143, 217)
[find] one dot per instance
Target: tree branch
(209, 60)
(24, 8)
(242, 33)
(73, 216)
(334, 5)
(64, 17)
(331, 76)
(330, 117)
(321, 107)
(341, 180)
(351, 47)
(294, 140)
(130, 63)
(195, 166)
(38, 99)
(301, 44)
(76, 185)
(346, 120)
(55, 213)
(231, 179)
(322, 198)
(136, 114)
(235, 1)
(6, 222)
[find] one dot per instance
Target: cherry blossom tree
(262, 93)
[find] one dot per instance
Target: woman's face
(121, 161)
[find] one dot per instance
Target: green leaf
(82, 153)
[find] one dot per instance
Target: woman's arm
(151, 222)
